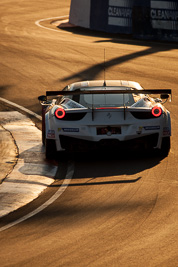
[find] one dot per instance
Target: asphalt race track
(115, 211)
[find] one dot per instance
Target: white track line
(62, 188)
(38, 23)
(29, 177)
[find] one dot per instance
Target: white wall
(80, 13)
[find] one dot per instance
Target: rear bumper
(76, 144)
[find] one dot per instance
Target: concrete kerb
(17, 107)
(29, 174)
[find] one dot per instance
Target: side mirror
(42, 98)
(164, 96)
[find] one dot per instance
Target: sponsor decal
(147, 128)
(51, 134)
(120, 13)
(164, 15)
(70, 130)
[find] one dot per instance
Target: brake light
(156, 111)
(108, 108)
(60, 113)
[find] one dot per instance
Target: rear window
(107, 100)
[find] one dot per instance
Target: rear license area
(108, 130)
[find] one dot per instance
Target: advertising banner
(164, 19)
(113, 16)
(144, 19)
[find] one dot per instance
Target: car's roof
(101, 83)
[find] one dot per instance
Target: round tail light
(156, 111)
(60, 113)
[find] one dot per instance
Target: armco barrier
(144, 19)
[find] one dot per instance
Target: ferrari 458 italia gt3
(105, 114)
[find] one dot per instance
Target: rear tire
(43, 125)
(50, 148)
(43, 137)
(165, 146)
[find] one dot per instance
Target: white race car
(105, 114)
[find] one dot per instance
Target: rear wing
(163, 92)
